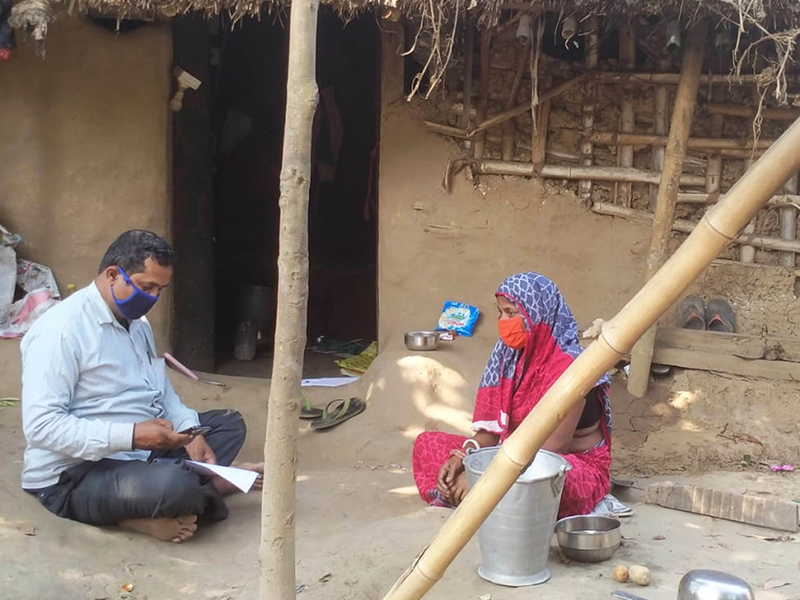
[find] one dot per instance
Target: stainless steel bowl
(588, 538)
(422, 340)
(704, 584)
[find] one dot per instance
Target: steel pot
(424, 340)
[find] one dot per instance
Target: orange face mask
(512, 332)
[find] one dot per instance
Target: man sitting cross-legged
(98, 408)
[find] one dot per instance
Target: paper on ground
(241, 478)
(327, 381)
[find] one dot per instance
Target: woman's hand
(459, 488)
(448, 474)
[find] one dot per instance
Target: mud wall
(84, 146)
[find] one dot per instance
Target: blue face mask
(137, 304)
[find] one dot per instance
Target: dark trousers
(108, 491)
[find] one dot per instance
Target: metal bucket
(515, 538)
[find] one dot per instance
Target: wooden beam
(788, 215)
(661, 125)
(740, 345)
(754, 510)
(714, 159)
(610, 138)
(592, 38)
(680, 127)
(524, 169)
(627, 55)
(469, 59)
(539, 143)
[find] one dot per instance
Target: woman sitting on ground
(538, 341)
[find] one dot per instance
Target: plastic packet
(458, 317)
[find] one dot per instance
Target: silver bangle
(470, 442)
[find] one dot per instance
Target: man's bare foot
(226, 488)
(175, 530)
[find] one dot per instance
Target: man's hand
(199, 450)
(158, 434)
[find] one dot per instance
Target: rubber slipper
(720, 316)
(693, 313)
(338, 411)
(309, 412)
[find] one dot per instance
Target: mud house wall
(84, 145)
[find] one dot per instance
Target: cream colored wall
(84, 146)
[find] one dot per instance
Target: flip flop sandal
(720, 316)
(309, 412)
(693, 313)
(338, 411)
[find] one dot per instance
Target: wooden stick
(469, 58)
(747, 253)
(732, 110)
(789, 224)
(609, 138)
(710, 237)
(510, 128)
(627, 55)
(587, 149)
(680, 126)
(626, 174)
(521, 109)
(446, 129)
(483, 94)
(714, 160)
(686, 226)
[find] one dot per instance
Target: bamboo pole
(660, 124)
(509, 131)
(609, 138)
(614, 174)
(587, 150)
(709, 238)
(627, 55)
(680, 126)
(733, 110)
(699, 198)
(539, 142)
(685, 226)
(277, 552)
(674, 78)
(483, 93)
(788, 216)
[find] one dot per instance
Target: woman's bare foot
(226, 488)
(175, 530)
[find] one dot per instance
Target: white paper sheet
(327, 381)
(241, 478)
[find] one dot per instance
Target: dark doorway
(247, 87)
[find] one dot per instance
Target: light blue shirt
(86, 381)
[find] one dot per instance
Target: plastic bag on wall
(8, 275)
(32, 276)
(17, 319)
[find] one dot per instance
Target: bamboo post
(610, 138)
(709, 238)
(539, 141)
(483, 91)
(789, 224)
(277, 551)
(660, 123)
(613, 174)
(680, 126)
(587, 150)
(627, 55)
(469, 58)
(509, 130)
(714, 159)
(686, 226)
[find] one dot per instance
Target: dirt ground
(359, 520)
